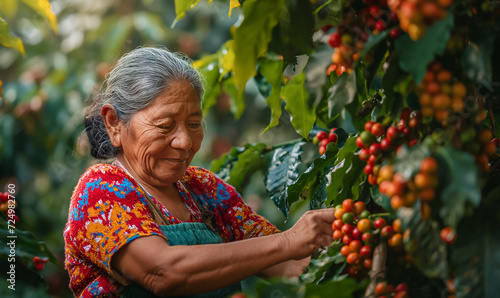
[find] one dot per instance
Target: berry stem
(379, 215)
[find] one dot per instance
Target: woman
(149, 224)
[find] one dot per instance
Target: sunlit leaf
(42, 7)
(209, 68)
(272, 70)
(226, 59)
(181, 6)
(282, 173)
(233, 4)
(9, 40)
(116, 37)
(8, 7)
(296, 97)
(252, 36)
(414, 56)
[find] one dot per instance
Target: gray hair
(131, 86)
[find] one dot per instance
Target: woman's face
(161, 140)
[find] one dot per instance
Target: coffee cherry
(337, 235)
(387, 232)
(348, 218)
(334, 40)
(356, 233)
(345, 250)
(369, 125)
(379, 223)
(392, 133)
(448, 235)
(339, 212)
(359, 207)
(364, 225)
(355, 245)
(367, 138)
(380, 288)
(348, 205)
(321, 135)
(364, 214)
(353, 258)
(365, 251)
(394, 33)
(347, 228)
(364, 154)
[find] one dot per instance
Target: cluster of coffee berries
(404, 192)
(415, 15)
(39, 262)
(6, 205)
(383, 290)
(360, 234)
(478, 143)
(353, 32)
(323, 138)
(373, 151)
(441, 93)
(354, 228)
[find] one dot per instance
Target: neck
(157, 191)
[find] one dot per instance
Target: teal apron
(187, 233)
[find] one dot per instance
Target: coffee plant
(400, 100)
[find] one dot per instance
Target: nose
(182, 139)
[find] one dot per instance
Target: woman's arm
(180, 270)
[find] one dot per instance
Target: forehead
(180, 97)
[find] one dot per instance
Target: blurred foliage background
(43, 149)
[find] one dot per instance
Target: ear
(113, 124)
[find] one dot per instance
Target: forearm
(291, 268)
(181, 270)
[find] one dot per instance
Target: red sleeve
(106, 212)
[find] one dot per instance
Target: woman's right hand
(312, 231)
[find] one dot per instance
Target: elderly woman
(149, 224)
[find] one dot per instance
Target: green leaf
(378, 46)
(476, 60)
(209, 68)
(476, 262)
(237, 98)
(306, 187)
(414, 56)
(42, 7)
(345, 174)
(283, 173)
(316, 72)
(424, 246)
(296, 97)
(343, 288)
(278, 287)
(150, 26)
(222, 166)
(317, 268)
(382, 200)
(8, 40)
(408, 160)
(341, 93)
(252, 36)
(461, 184)
(240, 164)
(8, 7)
(181, 6)
(389, 80)
(272, 70)
(301, 25)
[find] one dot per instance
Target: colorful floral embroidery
(108, 210)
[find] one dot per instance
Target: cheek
(196, 140)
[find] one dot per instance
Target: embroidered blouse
(108, 210)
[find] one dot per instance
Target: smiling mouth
(175, 160)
